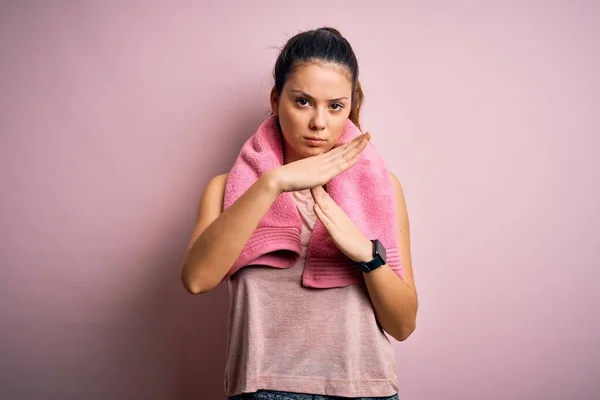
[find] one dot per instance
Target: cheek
(289, 123)
(292, 117)
(338, 125)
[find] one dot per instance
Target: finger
(325, 220)
(342, 163)
(357, 141)
(356, 150)
(353, 152)
(345, 164)
(340, 166)
(317, 194)
(325, 202)
(328, 204)
(358, 144)
(344, 157)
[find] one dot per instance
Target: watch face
(380, 250)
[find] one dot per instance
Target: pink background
(113, 117)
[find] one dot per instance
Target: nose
(317, 121)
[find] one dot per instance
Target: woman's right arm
(219, 236)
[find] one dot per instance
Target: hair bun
(330, 30)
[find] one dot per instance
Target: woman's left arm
(395, 299)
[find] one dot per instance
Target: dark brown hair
(324, 44)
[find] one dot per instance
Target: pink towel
(365, 192)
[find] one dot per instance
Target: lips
(314, 141)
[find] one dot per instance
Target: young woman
(299, 331)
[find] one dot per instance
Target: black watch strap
(379, 258)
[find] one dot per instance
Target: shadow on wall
(170, 344)
(186, 333)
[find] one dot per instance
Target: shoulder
(214, 191)
(399, 194)
(210, 206)
(218, 181)
(397, 185)
(216, 186)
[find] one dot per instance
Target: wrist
(272, 181)
(366, 252)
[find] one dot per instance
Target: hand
(343, 232)
(318, 170)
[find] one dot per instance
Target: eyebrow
(312, 98)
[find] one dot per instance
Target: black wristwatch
(378, 258)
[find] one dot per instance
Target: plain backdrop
(114, 115)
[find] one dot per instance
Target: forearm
(216, 249)
(394, 301)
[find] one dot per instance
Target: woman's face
(313, 106)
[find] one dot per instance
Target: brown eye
(302, 101)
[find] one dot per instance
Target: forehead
(320, 79)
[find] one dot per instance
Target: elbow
(404, 335)
(194, 288)
(195, 285)
(404, 332)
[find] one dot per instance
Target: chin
(301, 150)
(310, 152)
(316, 149)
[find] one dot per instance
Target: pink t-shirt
(283, 336)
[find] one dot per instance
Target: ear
(274, 102)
